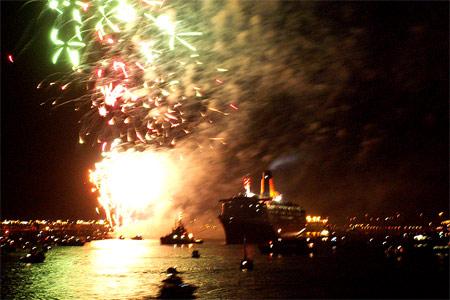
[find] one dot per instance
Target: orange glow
(110, 258)
(130, 183)
(316, 219)
(272, 192)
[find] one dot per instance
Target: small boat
(173, 287)
(33, 257)
(195, 254)
(138, 237)
(246, 263)
(179, 235)
(72, 241)
(121, 237)
(172, 270)
(46, 248)
(9, 245)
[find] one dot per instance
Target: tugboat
(174, 288)
(195, 254)
(179, 235)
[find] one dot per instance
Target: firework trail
(136, 64)
(300, 85)
(132, 184)
(129, 56)
(146, 85)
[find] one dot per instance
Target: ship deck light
(278, 198)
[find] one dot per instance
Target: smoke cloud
(364, 101)
(346, 102)
(349, 111)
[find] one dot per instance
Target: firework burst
(132, 184)
(129, 56)
(131, 59)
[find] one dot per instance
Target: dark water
(129, 269)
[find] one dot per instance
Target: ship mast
(178, 222)
(247, 186)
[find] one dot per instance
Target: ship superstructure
(260, 218)
(179, 235)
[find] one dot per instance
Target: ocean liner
(260, 218)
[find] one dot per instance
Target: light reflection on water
(130, 269)
(106, 269)
(113, 257)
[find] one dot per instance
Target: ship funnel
(267, 188)
(247, 184)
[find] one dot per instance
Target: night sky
(44, 169)
(347, 104)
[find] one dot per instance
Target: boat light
(278, 198)
(420, 237)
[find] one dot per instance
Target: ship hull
(259, 221)
(254, 233)
(260, 218)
